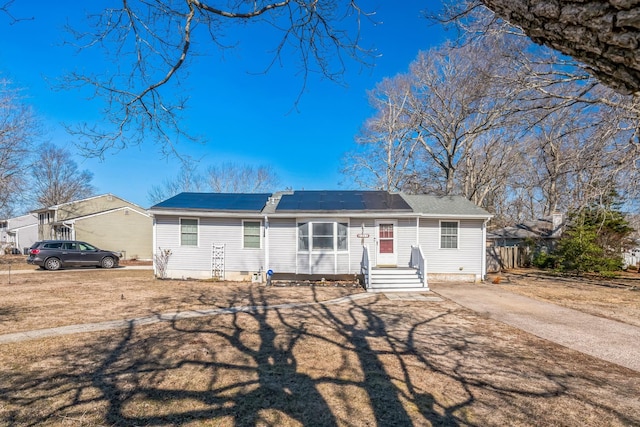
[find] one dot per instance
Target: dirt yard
(368, 362)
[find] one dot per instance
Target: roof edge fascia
(307, 214)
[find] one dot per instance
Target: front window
(342, 236)
(448, 235)
(251, 234)
(322, 236)
(189, 232)
(303, 236)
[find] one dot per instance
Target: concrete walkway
(605, 339)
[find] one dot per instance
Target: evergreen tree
(595, 239)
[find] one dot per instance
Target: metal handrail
(419, 262)
(366, 267)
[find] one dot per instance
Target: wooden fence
(503, 258)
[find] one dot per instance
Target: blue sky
(245, 117)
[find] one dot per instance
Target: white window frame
(440, 235)
(260, 233)
(310, 223)
(197, 232)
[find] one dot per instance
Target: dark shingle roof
(444, 205)
(241, 202)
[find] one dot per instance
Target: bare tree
(518, 130)
(385, 156)
(602, 34)
(18, 129)
(225, 178)
(56, 179)
(442, 128)
(150, 43)
(187, 180)
(234, 178)
(459, 98)
(488, 168)
(5, 10)
(588, 130)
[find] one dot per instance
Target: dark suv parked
(54, 254)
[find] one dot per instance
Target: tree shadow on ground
(365, 362)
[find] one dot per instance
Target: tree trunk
(604, 35)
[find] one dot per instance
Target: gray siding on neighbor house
(466, 259)
(21, 232)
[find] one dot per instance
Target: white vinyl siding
(282, 245)
(360, 227)
(188, 232)
(219, 231)
(285, 256)
(467, 259)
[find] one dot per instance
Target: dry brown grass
(617, 299)
(364, 363)
(45, 299)
(14, 262)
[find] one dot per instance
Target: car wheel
(107, 262)
(52, 264)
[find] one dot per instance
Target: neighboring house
(510, 247)
(321, 234)
(19, 233)
(545, 231)
(105, 221)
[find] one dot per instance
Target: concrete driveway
(605, 339)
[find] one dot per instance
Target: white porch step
(395, 279)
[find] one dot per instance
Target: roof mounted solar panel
(253, 202)
(314, 201)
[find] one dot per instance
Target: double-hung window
(188, 232)
(322, 236)
(449, 234)
(251, 234)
